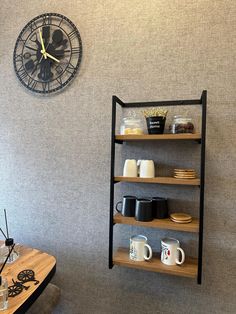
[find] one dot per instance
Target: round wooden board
(181, 177)
(185, 177)
(181, 222)
(180, 216)
(185, 174)
(185, 170)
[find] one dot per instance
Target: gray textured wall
(54, 152)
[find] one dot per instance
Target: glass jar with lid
(181, 124)
(131, 125)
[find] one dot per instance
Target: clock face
(47, 53)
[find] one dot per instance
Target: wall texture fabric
(55, 152)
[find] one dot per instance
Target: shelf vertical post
(202, 185)
(113, 128)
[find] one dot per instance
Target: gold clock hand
(43, 51)
(53, 58)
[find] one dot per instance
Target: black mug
(159, 207)
(128, 206)
(143, 210)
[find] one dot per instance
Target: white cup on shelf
(130, 168)
(146, 168)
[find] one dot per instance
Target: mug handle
(117, 209)
(183, 256)
(150, 252)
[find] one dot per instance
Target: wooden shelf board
(188, 269)
(149, 137)
(158, 223)
(160, 180)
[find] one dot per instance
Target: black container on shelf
(143, 210)
(156, 125)
(159, 208)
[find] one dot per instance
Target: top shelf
(157, 137)
(164, 103)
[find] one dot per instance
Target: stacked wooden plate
(185, 174)
(181, 218)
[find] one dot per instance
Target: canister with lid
(131, 125)
(181, 124)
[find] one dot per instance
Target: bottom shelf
(188, 269)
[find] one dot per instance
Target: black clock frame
(22, 73)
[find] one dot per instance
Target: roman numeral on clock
(18, 58)
(47, 20)
(21, 40)
(75, 50)
(32, 83)
(22, 72)
(33, 26)
(59, 81)
(72, 34)
(61, 20)
(45, 87)
(70, 68)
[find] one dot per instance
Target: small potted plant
(155, 118)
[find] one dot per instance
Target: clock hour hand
(53, 58)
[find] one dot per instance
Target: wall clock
(47, 53)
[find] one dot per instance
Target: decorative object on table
(181, 124)
(156, 119)
(185, 174)
(4, 284)
(131, 125)
(181, 218)
(18, 286)
(146, 168)
(47, 53)
(139, 249)
(143, 210)
(130, 168)
(128, 206)
(170, 249)
(3, 294)
(159, 207)
(9, 243)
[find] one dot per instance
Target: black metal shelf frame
(203, 103)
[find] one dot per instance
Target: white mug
(170, 249)
(130, 168)
(146, 168)
(139, 248)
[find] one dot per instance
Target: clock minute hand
(53, 58)
(36, 65)
(43, 51)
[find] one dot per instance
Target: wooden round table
(44, 267)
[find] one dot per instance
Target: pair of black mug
(143, 209)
